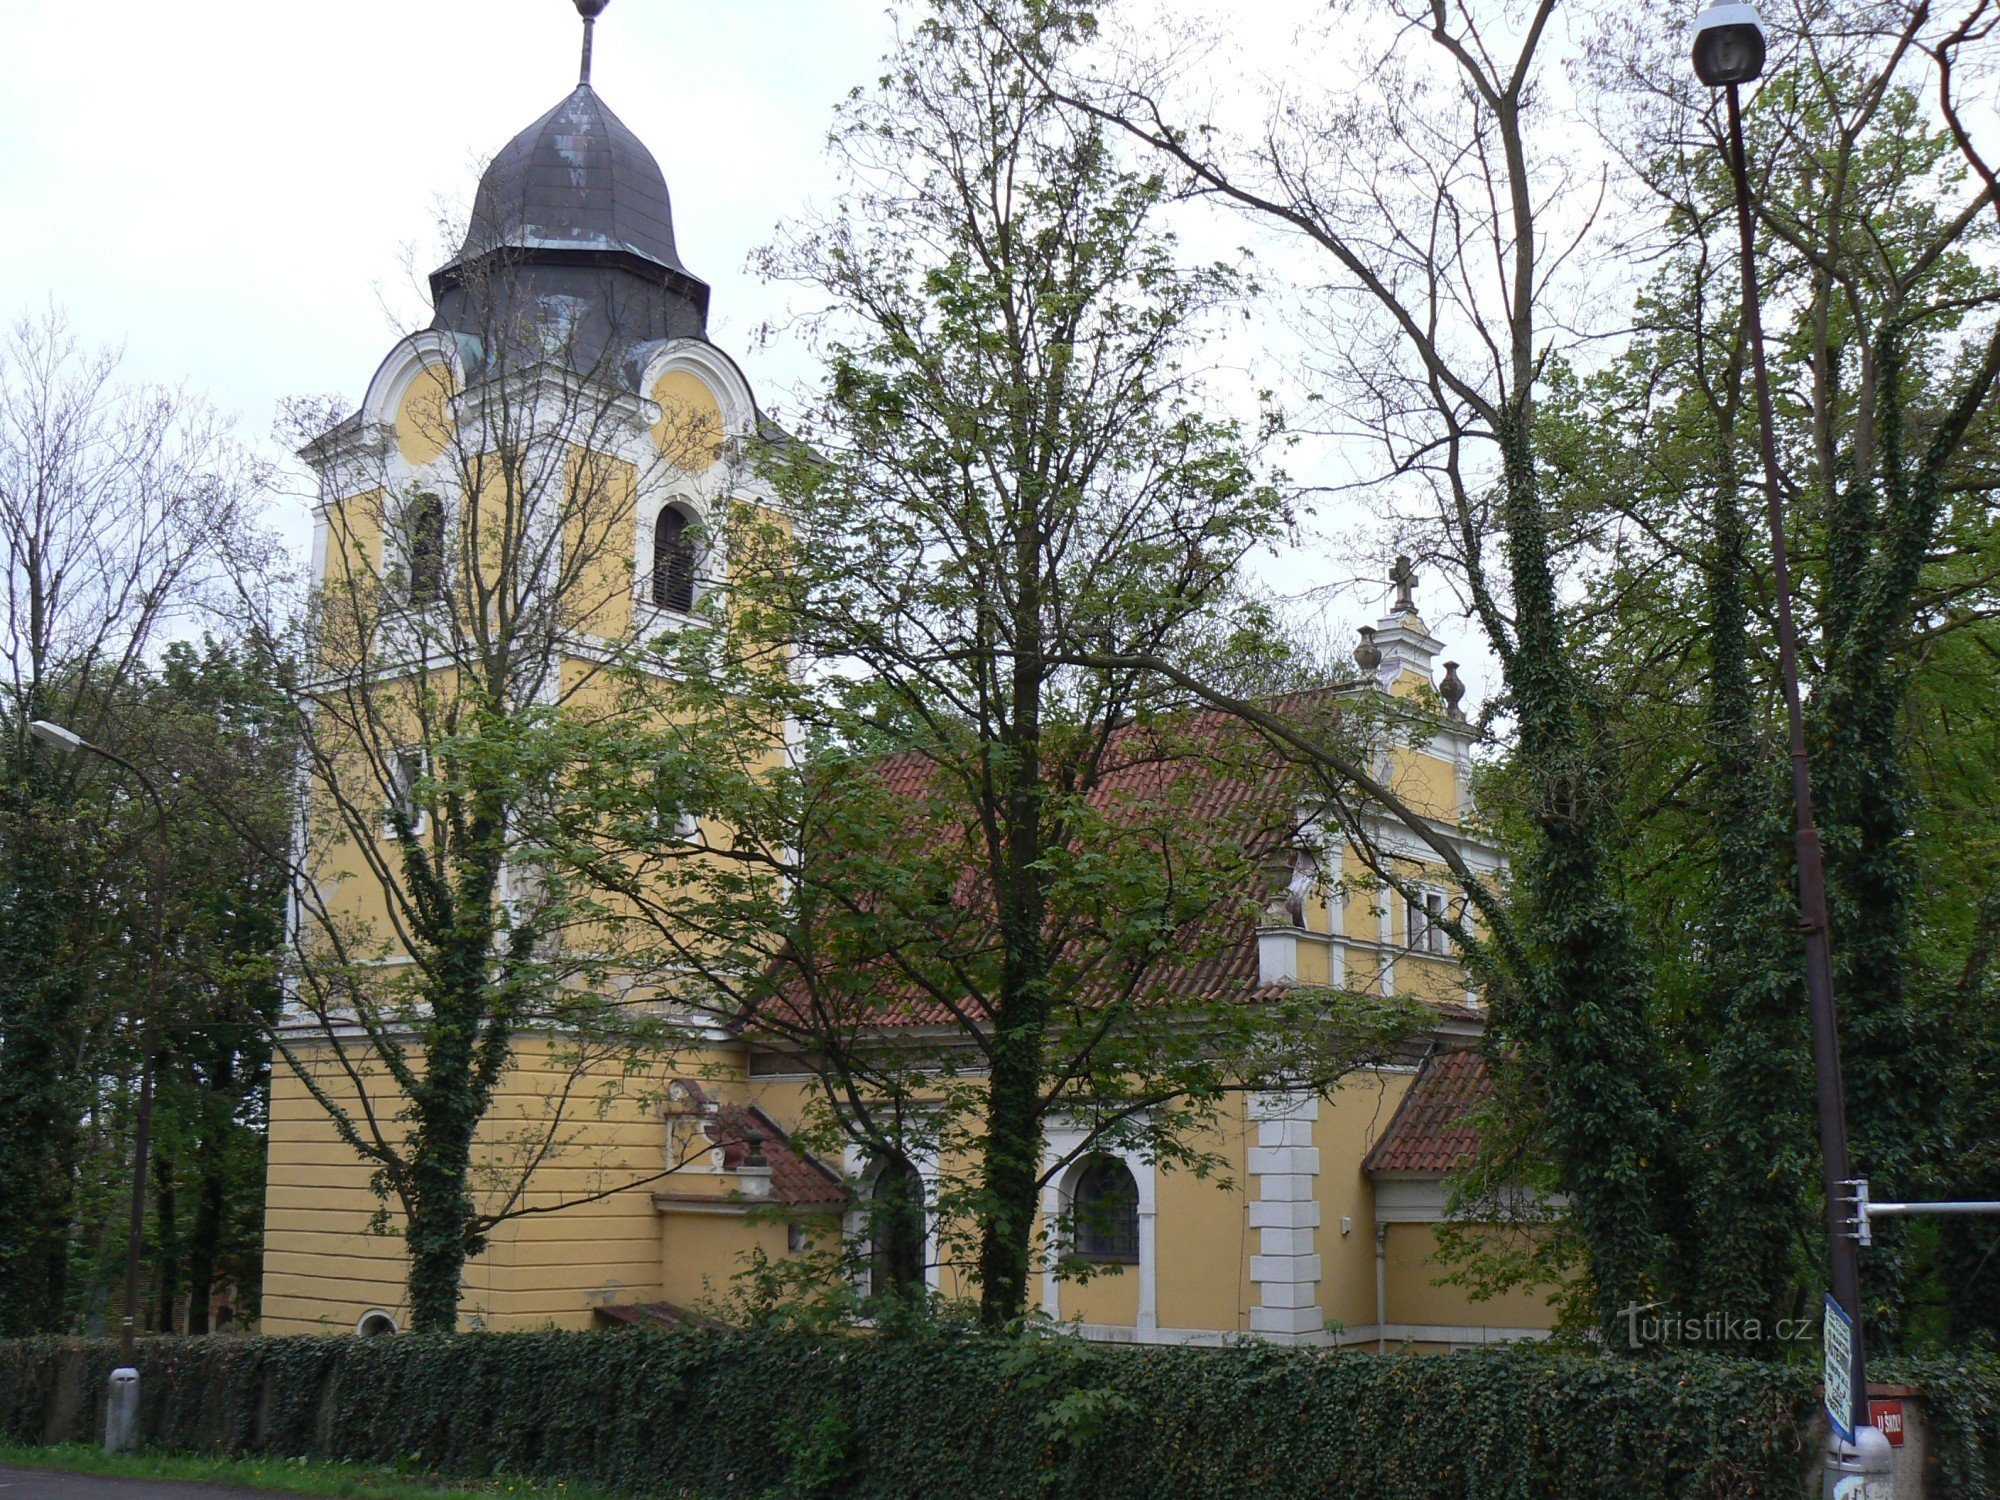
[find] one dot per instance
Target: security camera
(1728, 45)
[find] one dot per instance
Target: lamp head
(54, 734)
(1728, 45)
(591, 9)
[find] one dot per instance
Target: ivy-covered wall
(960, 1415)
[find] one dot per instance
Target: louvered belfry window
(673, 561)
(426, 550)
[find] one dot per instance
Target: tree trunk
(202, 1244)
(1013, 1155)
(167, 1249)
(440, 1212)
(211, 1208)
(439, 1233)
(465, 1022)
(1014, 1141)
(1892, 1057)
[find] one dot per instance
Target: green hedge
(948, 1414)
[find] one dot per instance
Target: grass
(296, 1476)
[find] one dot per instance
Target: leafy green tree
(1437, 194)
(213, 739)
(978, 897)
(1873, 200)
(223, 733)
(117, 507)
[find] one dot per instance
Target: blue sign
(1837, 1330)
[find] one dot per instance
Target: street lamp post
(121, 1418)
(1729, 52)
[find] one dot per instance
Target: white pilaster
(1286, 1270)
(1388, 930)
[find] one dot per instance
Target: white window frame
(1425, 932)
(855, 1226)
(401, 791)
(1068, 1138)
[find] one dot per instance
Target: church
(568, 300)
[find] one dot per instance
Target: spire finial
(590, 10)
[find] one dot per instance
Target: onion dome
(572, 224)
(577, 179)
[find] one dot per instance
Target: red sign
(1886, 1417)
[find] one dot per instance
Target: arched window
(673, 561)
(425, 527)
(1105, 1210)
(376, 1324)
(896, 1230)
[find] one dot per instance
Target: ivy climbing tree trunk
(1581, 1015)
(1752, 1185)
(466, 1039)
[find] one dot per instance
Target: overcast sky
(234, 192)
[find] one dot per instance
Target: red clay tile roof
(797, 1180)
(1206, 768)
(1429, 1132)
(1192, 772)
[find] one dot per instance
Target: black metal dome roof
(572, 242)
(576, 179)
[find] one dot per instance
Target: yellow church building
(1322, 1227)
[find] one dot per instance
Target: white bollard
(121, 1411)
(1862, 1469)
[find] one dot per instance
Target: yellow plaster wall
(1202, 1236)
(1427, 782)
(1315, 964)
(700, 1253)
(1439, 978)
(689, 431)
(1350, 1122)
(601, 543)
(324, 1269)
(1414, 1295)
(424, 425)
(1110, 1297)
(354, 539)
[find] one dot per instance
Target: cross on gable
(1404, 576)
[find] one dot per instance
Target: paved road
(47, 1484)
